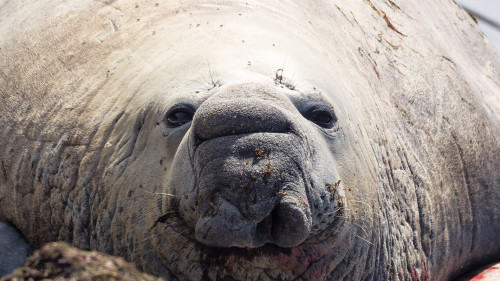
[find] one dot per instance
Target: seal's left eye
(179, 117)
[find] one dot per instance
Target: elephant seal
(254, 141)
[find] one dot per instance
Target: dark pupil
(180, 116)
(322, 118)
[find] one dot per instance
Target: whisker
(184, 231)
(362, 210)
(201, 83)
(168, 213)
(336, 211)
(147, 238)
(165, 194)
(358, 201)
(349, 219)
(364, 240)
(358, 225)
(210, 72)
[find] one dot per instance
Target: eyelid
(313, 109)
(188, 106)
(181, 107)
(323, 113)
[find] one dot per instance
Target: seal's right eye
(179, 116)
(322, 116)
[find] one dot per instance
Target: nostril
(291, 222)
(265, 227)
(286, 226)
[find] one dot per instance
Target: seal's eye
(321, 116)
(179, 116)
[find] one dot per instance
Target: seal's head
(256, 160)
(254, 184)
(255, 164)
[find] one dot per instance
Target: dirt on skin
(59, 261)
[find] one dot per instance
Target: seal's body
(253, 141)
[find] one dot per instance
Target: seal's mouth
(292, 261)
(218, 257)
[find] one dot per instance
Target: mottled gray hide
(261, 140)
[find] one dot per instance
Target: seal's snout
(249, 170)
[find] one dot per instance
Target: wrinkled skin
(247, 141)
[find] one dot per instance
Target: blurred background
(487, 13)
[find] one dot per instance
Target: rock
(60, 261)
